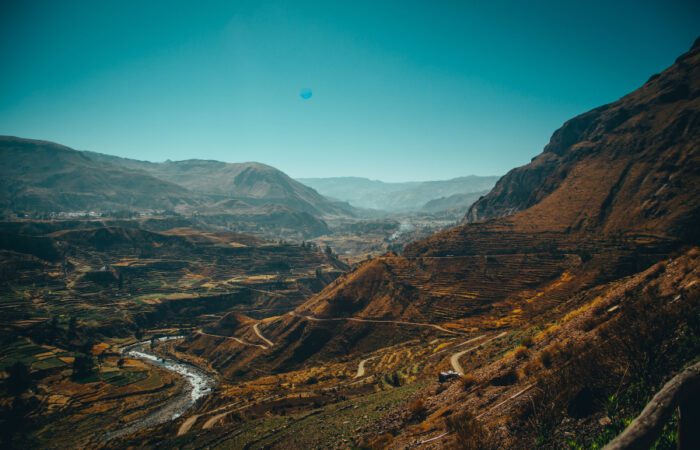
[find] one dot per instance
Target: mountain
(47, 177)
(40, 177)
(615, 191)
(396, 197)
(454, 202)
(629, 166)
(252, 182)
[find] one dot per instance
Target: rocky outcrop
(632, 165)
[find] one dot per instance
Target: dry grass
(468, 381)
(589, 323)
(379, 442)
(470, 434)
(417, 410)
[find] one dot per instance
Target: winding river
(198, 385)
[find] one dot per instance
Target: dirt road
(361, 367)
(454, 359)
(259, 334)
(240, 341)
(395, 322)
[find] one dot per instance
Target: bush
(471, 435)
(417, 410)
(508, 378)
(468, 381)
(547, 357)
(521, 352)
(527, 342)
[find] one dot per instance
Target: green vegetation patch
(20, 350)
(48, 363)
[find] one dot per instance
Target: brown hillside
(629, 166)
(613, 192)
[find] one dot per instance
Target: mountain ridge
(650, 134)
(41, 177)
(399, 196)
(586, 229)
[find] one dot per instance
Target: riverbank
(198, 385)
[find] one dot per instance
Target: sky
(401, 90)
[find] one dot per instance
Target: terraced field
(87, 289)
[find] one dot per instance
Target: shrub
(417, 410)
(471, 435)
(521, 352)
(547, 357)
(468, 381)
(506, 379)
(527, 341)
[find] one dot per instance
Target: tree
(329, 251)
(19, 379)
(53, 328)
(83, 365)
(101, 358)
(121, 362)
(15, 420)
(72, 327)
(88, 346)
(139, 333)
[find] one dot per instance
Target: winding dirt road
(361, 367)
(240, 341)
(395, 322)
(259, 334)
(454, 359)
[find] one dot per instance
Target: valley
(202, 304)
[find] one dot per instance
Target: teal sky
(402, 90)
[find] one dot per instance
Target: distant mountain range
(407, 196)
(39, 177)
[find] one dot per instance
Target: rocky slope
(615, 191)
(629, 166)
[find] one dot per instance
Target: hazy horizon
(401, 91)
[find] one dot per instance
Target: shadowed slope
(614, 192)
(629, 166)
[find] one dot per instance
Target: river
(198, 385)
